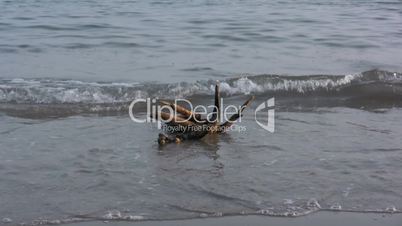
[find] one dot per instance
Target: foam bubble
(391, 209)
(288, 201)
(203, 215)
(6, 220)
(336, 206)
(133, 217)
(113, 214)
(313, 203)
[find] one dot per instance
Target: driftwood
(191, 124)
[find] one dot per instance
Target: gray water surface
(170, 41)
(106, 166)
(69, 69)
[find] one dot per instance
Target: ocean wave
(286, 211)
(49, 91)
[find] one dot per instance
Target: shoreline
(318, 218)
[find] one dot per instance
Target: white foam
(72, 91)
(313, 203)
(336, 206)
(113, 214)
(391, 209)
(246, 86)
(6, 220)
(288, 201)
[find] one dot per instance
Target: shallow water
(69, 69)
(339, 157)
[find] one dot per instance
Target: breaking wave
(35, 98)
(45, 91)
(311, 206)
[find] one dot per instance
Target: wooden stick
(174, 119)
(164, 139)
(182, 110)
(234, 117)
(217, 103)
(215, 117)
(195, 132)
(195, 128)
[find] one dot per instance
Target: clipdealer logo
(269, 105)
(152, 110)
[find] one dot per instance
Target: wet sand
(321, 218)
